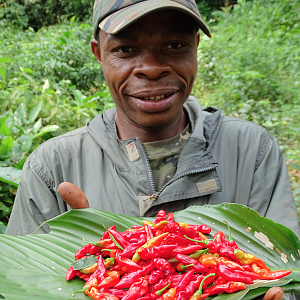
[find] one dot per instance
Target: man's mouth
(154, 98)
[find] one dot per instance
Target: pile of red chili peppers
(167, 260)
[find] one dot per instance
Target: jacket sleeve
(35, 202)
(271, 194)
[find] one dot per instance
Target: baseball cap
(114, 16)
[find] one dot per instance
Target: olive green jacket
(225, 160)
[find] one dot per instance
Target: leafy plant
(250, 67)
(49, 256)
(33, 113)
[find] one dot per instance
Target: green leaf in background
(22, 113)
(36, 265)
(84, 262)
(79, 97)
(4, 130)
(2, 73)
(46, 129)
(2, 229)
(5, 60)
(6, 145)
(35, 111)
(26, 141)
(37, 125)
(10, 175)
(2, 120)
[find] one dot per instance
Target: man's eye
(125, 49)
(174, 45)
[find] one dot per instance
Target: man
(157, 149)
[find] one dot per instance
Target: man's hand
(274, 293)
(72, 195)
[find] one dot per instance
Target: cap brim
(130, 14)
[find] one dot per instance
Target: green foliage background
(50, 82)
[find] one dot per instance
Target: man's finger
(274, 293)
(72, 195)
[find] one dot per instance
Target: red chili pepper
(176, 239)
(231, 274)
(180, 267)
(155, 276)
(219, 237)
(113, 278)
(172, 227)
(169, 295)
(228, 252)
(190, 232)
(88, 286)
(160, 292)
(198, 294)
(161, 264)
(106, 233)
(229, 287)
(189, 260)
(156, 251)
(130, 250)
(175, 280)
(133, 233)
(149, 232)
(161, 216)
(208, 260)
(187, 249)
(190, 289)
(155, 241)
(109, 262)
(230, 241)
(119, 238)
(202, 228)
(100, 273)
(137, 289)
(116, 292)
(171, 271)
(85, 277)
(127, 262)
(247, 259)
(127, 280)
(96, 295)
(269, 275)
(231, 264)
(161, 225)
(71, 273)
(83, 251)
(170, 217)
(185, 280)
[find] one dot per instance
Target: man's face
(150, 68)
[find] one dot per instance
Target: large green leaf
(35, 265)
(10, 175)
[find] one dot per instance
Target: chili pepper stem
(115, 241)
(202, 282)
(203, 242)
(88, 242)
(159, 293)
(229, 231)
(77, 292)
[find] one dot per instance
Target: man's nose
(151, 65)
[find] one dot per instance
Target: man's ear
(96, 50)
(198, 38)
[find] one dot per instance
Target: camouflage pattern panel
(116, 14)
(164, 155)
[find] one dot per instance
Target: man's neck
(127, 130)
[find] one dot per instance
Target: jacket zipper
(150, 177)
(186, 174)
(148, 167)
